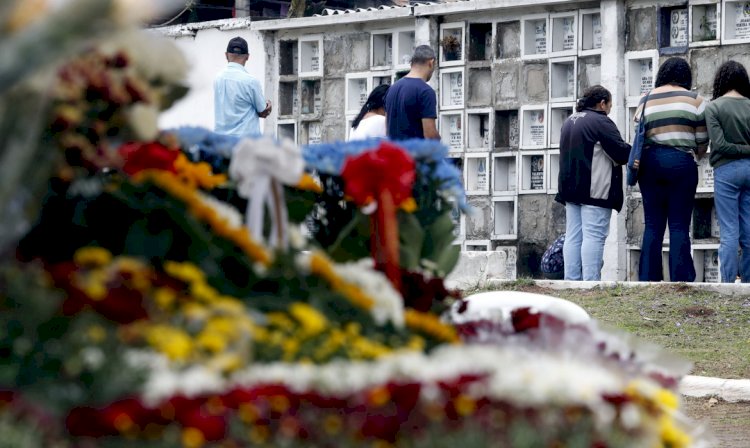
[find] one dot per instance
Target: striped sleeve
(677, 119)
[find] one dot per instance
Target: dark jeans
(668, 178)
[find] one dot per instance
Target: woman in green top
(728, 128)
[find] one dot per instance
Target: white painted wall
(205, 55)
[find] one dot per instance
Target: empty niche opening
(478, 131)
(451, 130)
(589, 72)
(401, 74)
(554, 171)
(380, 80)
(557, 117)
(705, 221)
(287, 131)
(505, 219)
(310, 54)
(564, 31)
(532, 174)
(452, 89)
(479, 87)
(506, 129)
(504, 174)
(288, 57)
(405, 47)
(535, 37)
(534, 128)
(641, 76)
(480, 41)
(382, 49)
(476, 247)
(673, 27)
(458, 163)
(508, 37)
(591, 31)
(562, 80)
(477, 174)
(288, 98)
(451, 44)
(312, 101)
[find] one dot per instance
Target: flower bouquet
(184, 289)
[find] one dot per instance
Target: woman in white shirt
(371, 119)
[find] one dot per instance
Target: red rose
(388, 168)
(145, 156)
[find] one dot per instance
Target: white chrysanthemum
(224, 210)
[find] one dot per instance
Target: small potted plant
(451, 47)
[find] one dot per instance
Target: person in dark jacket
(592, 153)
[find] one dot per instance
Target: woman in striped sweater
(668, 175)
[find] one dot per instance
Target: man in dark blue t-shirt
(411, 104)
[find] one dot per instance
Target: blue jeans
(586, 229)
(668, 179)
(732, 200)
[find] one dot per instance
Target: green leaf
(440, 236)
(411, 239)
(447, 259)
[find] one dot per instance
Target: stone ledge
(731, 391)
(722, 288)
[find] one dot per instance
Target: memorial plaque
(596, 30)
(315, 134)
(537, 172)
(481, 176)
(647, 75)
(295, 100)
(569, 33)
(678, 28)
(742, 20)
(457, 89)
(456, 136)
(315, 58)
(711, 266)
(536, 127)
(706, 173)
(540, 37)
(484, 130)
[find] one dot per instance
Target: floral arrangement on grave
(451, 47)
(162, 293)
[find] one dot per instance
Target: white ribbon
(260, 167)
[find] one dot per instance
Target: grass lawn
(710, 329)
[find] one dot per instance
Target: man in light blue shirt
(238, 99)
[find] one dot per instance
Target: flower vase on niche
(451, 44)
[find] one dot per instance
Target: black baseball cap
(237, 45)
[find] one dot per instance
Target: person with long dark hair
(371, 119)
(592, 153)
(675, 135)
(729, 131)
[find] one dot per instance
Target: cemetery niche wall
(506, 79)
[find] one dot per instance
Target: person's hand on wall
(267, 110)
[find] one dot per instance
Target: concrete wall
(204, 49)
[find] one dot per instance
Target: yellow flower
(224, 326)
(409, 205)
(313, 322)
(666, 399)
(192, 438)
(308, 183)
(227, 362)
(195, 311)
(322, 267)
(332, 424)
(164, 297)
(211, 341)
(229, 305)
(201, 291)
(290, 347)
(96, 333)
(465, 405)
(671, 435)
(431, 325)
(187, 272)
(172, 342)
(379, 396)
(93, 256)
(280, 320)
(198, 173)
